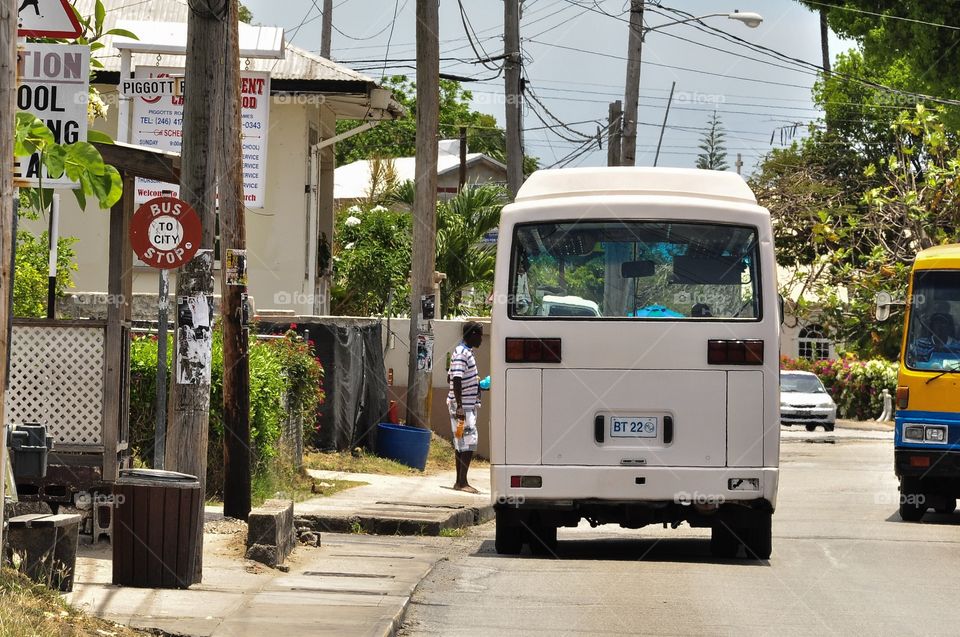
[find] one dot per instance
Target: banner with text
(54, 85)
(158, 123)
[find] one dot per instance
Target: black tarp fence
(355, 380)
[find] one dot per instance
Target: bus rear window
(634, 269)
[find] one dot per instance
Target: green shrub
(285, 381)
(856, 386)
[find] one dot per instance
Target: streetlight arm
(750, 19)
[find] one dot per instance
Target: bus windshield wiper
(953, 370)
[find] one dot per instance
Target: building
(307, 95)
(352, 182)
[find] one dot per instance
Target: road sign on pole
(47, 19)
(165, 232)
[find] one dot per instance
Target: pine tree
(714, 155)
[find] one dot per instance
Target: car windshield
(801, 384)
(932, 339)
(585, 270)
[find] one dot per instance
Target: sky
(575, 62)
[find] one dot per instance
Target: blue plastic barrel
(406, 445)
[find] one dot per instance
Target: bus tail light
(526, 482)
(920, 462)
(533, 350)
(735, 352)
(903, 397)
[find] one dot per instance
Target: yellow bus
(927, 438)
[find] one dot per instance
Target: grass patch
(31, 609)
(441, 457)
(452, 532)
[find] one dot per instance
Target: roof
(680, 182)
(298, 72)
(945, 256)
(352, 181)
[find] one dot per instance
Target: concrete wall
(447, 335)
(276, 234)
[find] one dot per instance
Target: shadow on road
(685, 550)
(931, 518)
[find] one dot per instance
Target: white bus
(662, 405)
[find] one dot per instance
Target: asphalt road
(843, 563)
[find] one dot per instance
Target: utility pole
(233, 290)
(513, 89)
(825, 40)
(739, 163)
(463, 158)
(8, 88)
(631, 96)
(326, 31)
(663, 126)
(189, 407)
(422, 298)
(614, 115)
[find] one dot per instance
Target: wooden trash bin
(154, 528)
(45, 547)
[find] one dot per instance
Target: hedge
(286, 381)
(855, 385)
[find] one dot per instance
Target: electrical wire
(883, 15)
(467, 28)
(396, 4)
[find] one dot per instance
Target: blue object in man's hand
(485, 384)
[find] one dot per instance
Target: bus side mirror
(884, 301)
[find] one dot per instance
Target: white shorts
(469, 440)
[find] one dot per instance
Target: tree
(396, 138)
(714, 155)
(246, 16)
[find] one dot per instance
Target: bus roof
(675, 182)
(938, 257)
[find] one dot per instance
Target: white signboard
(158, 123)
(54, 86)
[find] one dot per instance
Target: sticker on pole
(47, 19)
(165, 232)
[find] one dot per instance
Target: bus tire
(543, 539)
(828, 427)
(509, 538)
(758, 537)
(811, 427)
(724, 543)
(912, 506)
(948, 506)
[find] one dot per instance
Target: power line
(883, 15)
(467, 28)
(396, 3)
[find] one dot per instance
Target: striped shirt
(463, 365)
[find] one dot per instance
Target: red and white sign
(47, 19)
(165, 232)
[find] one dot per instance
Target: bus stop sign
(165, 232)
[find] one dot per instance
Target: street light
(628, 141)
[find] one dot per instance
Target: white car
(805, 401)
(568, 306)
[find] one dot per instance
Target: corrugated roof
(298, 64)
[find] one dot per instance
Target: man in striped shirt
(463, 401)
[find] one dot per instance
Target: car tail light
(921, 462)
(735, 352)
(903, 397)
(533, 350)
(526, 482)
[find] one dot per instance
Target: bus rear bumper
(701, 487)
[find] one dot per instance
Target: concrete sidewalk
(398, 505)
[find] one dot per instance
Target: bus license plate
(633, 427)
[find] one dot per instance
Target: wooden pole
(8, 88)
(236, 364)
(326, 31)
(424, 210)
(824, 40)
(189, 407)
(614, 115)
(663, 126)
(514, 94)
(631, 95)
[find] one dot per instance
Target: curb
(458, 517)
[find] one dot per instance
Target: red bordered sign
(47, 19)
(165, 232)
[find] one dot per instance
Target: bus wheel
(543, 539)
(811, 427)
(912, 506)
(724, 543)
(509, 538)
(758, 538)
(947, 506)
